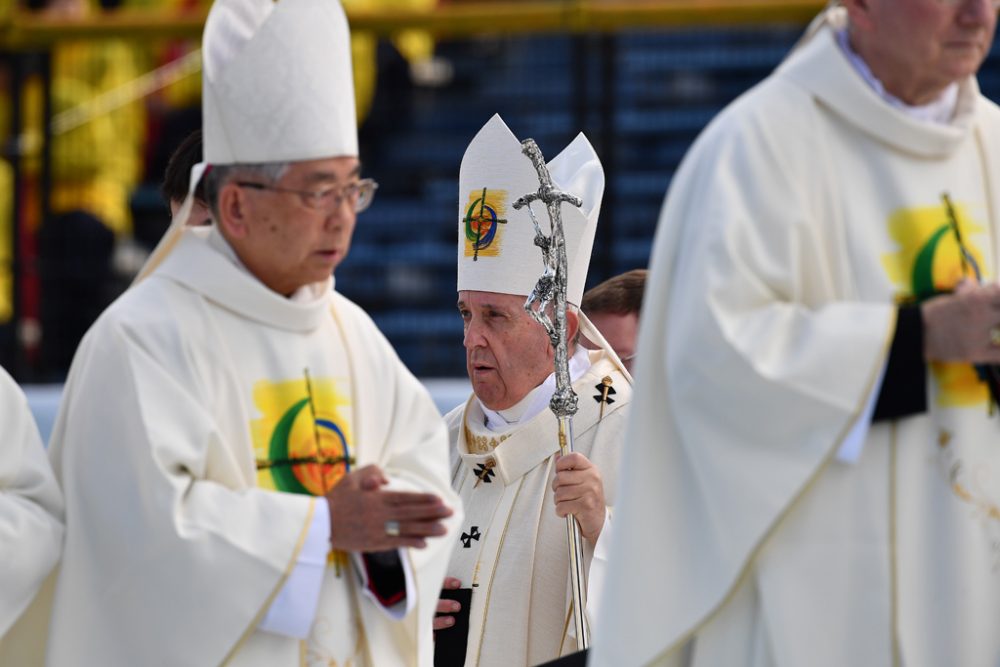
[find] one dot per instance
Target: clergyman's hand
(579, 491)
(957, 326)
(360, 510)
(447, 606)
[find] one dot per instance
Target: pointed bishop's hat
(277, 83)
(496, 244)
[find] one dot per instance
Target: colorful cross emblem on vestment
(483, 217)
(929, 261)
(301, 441)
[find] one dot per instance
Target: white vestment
(31, 507)
(186, 404)
(800, 216)
(512, 550)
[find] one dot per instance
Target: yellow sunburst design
(293, 414)
(929, 258)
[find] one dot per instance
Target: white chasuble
(802, 215)
(202, 414)
(31, 507)
(512, 548)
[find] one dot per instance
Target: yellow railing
(22, 29)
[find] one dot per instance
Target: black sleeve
(904, 387)
(386, 579)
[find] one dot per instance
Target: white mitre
(496, 244)
(277, 86)
(277, 82)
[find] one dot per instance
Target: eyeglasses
(358, 195)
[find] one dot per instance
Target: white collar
(940, 111)
(205, 263)
(305, 294)
(537, 399)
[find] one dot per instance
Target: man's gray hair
(219, 175)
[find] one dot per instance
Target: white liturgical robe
(802, 215)
(31, 507)
(202, 415)
(512, 550)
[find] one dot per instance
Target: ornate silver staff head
(551, 286)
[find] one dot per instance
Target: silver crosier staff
(552, 286)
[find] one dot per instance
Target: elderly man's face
(507, 354)
(286, 243)
(919, 47)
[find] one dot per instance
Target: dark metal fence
(641, 96)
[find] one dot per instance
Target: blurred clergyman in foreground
(813, 461)
(176, 181)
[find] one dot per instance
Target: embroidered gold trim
(565, 632)
(482, 444)
(362, 641)
(493, 572)
(316, 654)
(356, 425)
(281, 582)
(339, 558)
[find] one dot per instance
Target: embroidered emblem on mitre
(496, 244)
(277, 82)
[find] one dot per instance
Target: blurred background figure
(177, 177)
(813, 444)
(74, 260)
(613, 306)
(85, 160)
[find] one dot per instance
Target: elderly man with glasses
(252, 476)
(814, 464)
